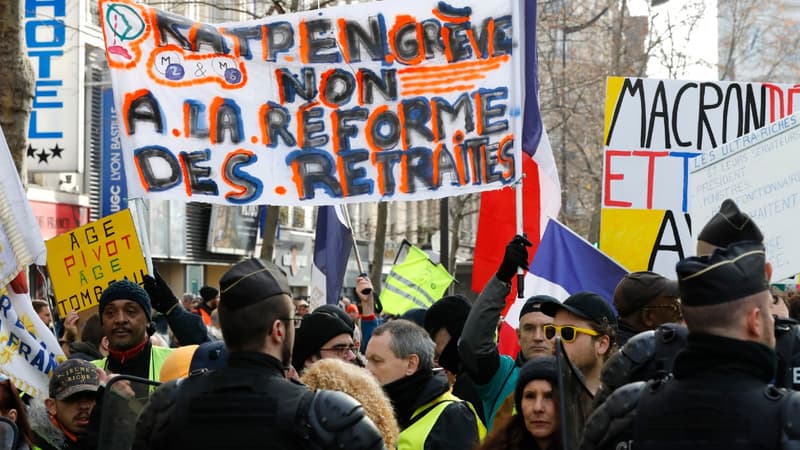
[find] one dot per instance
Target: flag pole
(346, 214)
(519, 102)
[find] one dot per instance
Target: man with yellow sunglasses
(588, 327)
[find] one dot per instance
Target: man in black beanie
(323, 334)
(125, 314)
(720, 395)
(210, 301)
(444, 321)
(250, 403)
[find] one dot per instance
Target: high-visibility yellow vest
(157, 357)
(414, 283)
(413, 437)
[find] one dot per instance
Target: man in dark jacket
(210, 296)
(645, 300)
(495, 375)
(400, 355)
(720, 396)
(444, 321)
(250, 404)
(64, 420)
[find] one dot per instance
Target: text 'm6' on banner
(392, 100)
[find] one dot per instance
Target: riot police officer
(250, 404)
(720, 396)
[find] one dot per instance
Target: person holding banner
(494, 374)
(187, 328)
(537, 421)
(720, 395)
(124, 310)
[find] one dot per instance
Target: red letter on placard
(609, 177)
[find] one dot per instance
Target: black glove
(516, 256)
(161, 296)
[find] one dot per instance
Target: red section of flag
(507, 342)
(496, 226)
(20, 283)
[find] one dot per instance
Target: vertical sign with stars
(52, 43)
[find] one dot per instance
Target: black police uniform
(250, 405)
(719, 398)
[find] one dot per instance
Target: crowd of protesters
(707, 361)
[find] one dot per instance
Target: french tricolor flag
(332, 246)
(564, 264)
(541, 187)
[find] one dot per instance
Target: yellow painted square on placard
(85, 260)
(629, 235)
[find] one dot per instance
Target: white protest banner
(759, 172)
(20, 238)
(391, 100)
(29, 352)
(653, 130)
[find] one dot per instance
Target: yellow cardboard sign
(84, 261)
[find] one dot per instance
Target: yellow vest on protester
(157, 357)
(425, 417)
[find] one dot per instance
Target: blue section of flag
(113, 189)
(565, 259)
(531, 119)
(332, 246)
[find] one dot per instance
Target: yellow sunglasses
(568, 333)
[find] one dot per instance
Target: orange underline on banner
(481, 72)
(441, 81)
(437, 90)
(480, 64)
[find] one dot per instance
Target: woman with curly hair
(337, 375)
(536, 424)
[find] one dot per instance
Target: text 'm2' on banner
(392, 100)
(84, 261)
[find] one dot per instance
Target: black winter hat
(450, 313)
(338, 312)
(251, 281)
(542, 368)
(728, 274)
(730, 225)
(315, 330)
(208, 293)
(125, 290)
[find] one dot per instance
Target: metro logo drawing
(386, 101)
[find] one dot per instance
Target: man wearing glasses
(322, 334)
(645, 300)
(588, 327)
